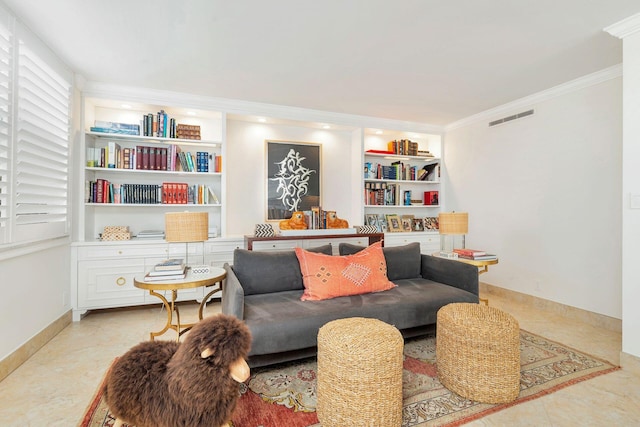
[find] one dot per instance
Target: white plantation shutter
(6, 74)
(42, 156)
(35, 101)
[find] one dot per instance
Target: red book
(469, 252)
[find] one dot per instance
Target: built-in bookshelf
(401, 180)
(142, 160)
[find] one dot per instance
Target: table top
(476, 262)
(191, 280)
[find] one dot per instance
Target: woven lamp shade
(186, 226)
(454, 223)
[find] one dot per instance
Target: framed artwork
(431, 223)
(372, 220)
(382, 223)
(417, 225)
(407, 222)
(394, 223)
(293, 177)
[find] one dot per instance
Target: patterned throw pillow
(327, 276)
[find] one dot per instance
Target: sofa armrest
(232, 294)
(450, 272)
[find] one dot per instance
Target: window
(35, 100)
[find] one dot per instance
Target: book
(179, 276)
(487, 257)
(173, 264)
(469, 252)
(165, 274)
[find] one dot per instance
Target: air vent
(511, 118)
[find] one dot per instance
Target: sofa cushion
(266, 272)
(403, 262)
(327, 276)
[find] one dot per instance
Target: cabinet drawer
(335, 243)
(276, 245)
(122, 251)
(109, 283)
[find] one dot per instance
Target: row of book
(104, 191)
(388, 194)
(401, 171)
(158, 125)
(170, 158)
(317, 218)
(474, 254)
(170, 269)
(162, 126)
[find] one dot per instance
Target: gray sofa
(264, 290)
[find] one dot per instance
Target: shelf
(401, 181)
(145, 171)
(153, 139)
(402, 157)
(155, 205)
(402, 206)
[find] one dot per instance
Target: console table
(373, 237)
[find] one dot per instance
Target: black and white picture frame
(293, 178)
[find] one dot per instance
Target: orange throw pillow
(327, 276)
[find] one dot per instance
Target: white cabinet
(103, 272)
(429, 241)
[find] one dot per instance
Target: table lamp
(186, 227)
(453, 228)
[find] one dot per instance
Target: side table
(214, 278)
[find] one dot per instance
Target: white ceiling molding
(624, 28)
(528, 101)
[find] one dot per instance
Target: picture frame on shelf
(417, 224)
(372, 220)
(382, 223)
(394, 223)
(407, 222)
(293, 177)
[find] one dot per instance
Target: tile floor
(54, 386)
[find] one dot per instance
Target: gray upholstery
(265, 272)
(285, 328)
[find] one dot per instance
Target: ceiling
(425, 61)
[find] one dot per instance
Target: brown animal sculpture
(296, 222)
(334, 222)
(190, 384)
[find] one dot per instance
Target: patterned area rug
(285, 395)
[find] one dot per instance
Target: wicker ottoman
(359, 373)
(478, 352)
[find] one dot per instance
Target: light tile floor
(54, 386)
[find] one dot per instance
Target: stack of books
(170, 269)
(474, 255)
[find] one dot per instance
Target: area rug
(285, 395)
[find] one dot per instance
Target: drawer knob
(119, 252)
(121, 281)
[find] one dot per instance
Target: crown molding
(545, 95)
(626, 27)
(233, 106)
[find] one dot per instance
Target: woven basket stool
(478, 352)
(359, 373)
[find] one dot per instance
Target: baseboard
(588, 317)
(28, 349)
(630, 363)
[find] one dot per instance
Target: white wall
(35, 293)
(543, 193)
(246, 175)
(631, 185)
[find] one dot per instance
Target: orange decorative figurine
(296, 222)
